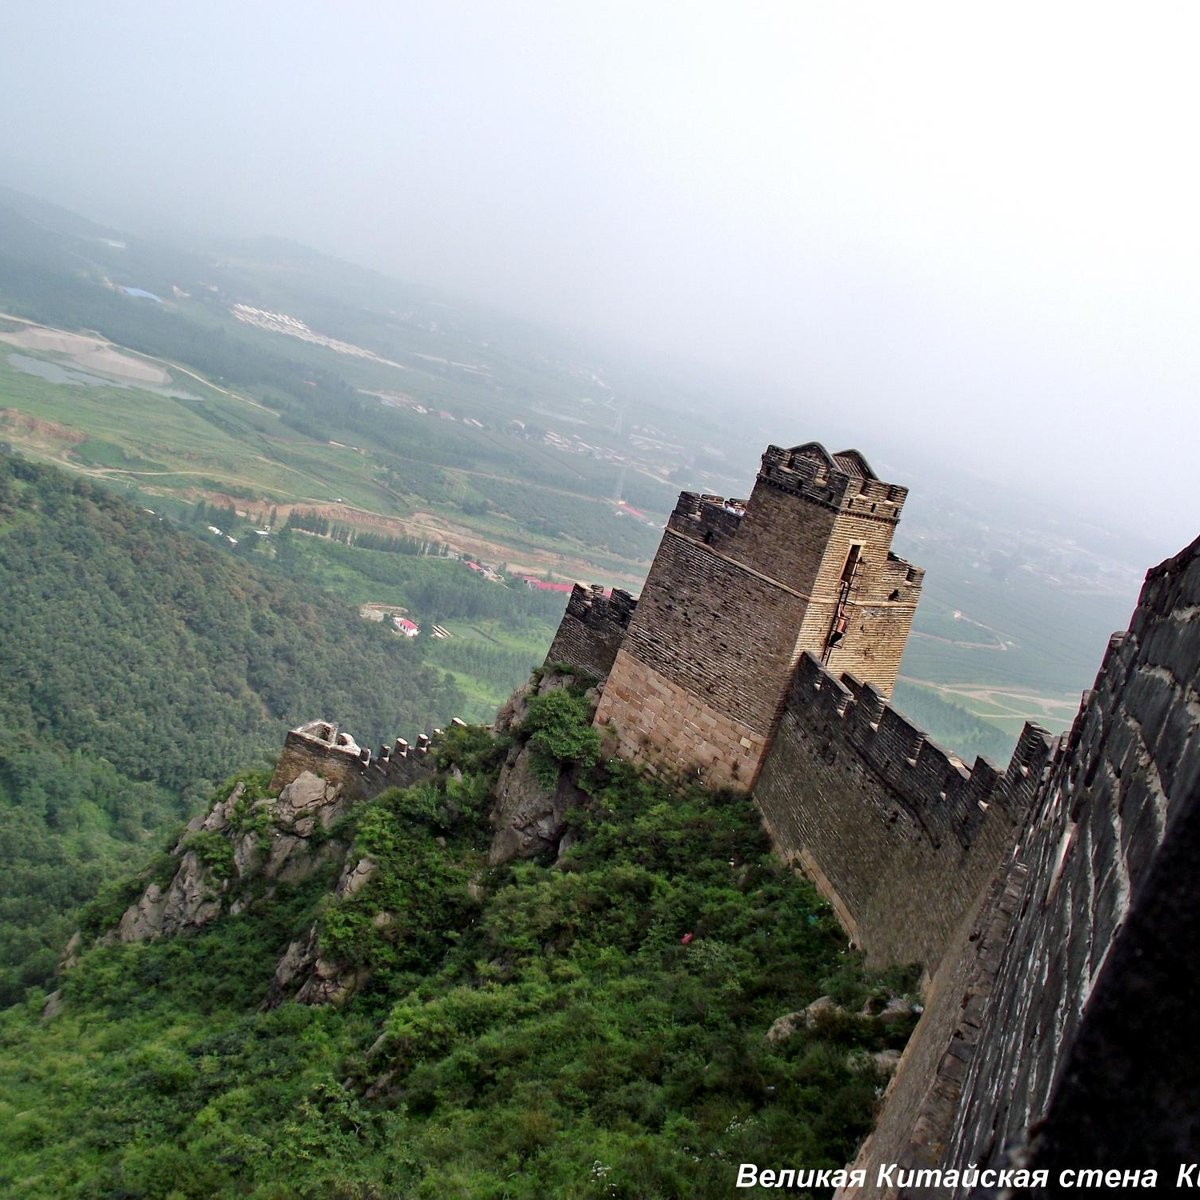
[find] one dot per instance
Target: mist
(960, 234)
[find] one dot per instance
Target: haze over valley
(337, 344)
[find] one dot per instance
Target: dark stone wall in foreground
(1064, 1024)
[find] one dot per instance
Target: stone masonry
(898, 835)
(1060, 1032)
(323, 749)
(1052, 904)
(592, 629)
(738, 591)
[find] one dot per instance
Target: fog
(952, 229)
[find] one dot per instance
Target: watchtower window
(851, 564)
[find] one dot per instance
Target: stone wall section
(708, 624)
(592, 629)
(1075, 1043)
(738, 590)
(923, 1096)
(896, 832)
(323, 749)
(1084, 1029)
(669, 728)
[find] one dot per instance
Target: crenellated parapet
(709, 519)
(1059, 1031)
(899, 580)
(324, 749)
(696, 675)
(592, 629)
(897, 832)
(843, 481)
(952, 799)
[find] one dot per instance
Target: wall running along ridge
(322, 748)
(1053, 905)
(1070, 1008)
(897, 833)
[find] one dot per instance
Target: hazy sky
(970, 225)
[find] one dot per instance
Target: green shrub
(561, 734)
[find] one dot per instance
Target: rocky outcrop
(239, 851)
(530, 819)
(304, 974)
(528, 816)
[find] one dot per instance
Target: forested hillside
(592, 1028)
(139, 667)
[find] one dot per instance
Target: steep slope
(604, 1026)
(139, 667)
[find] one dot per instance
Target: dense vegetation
(591, 1029)
(140, 666)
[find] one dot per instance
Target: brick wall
(707, 623)
(592, 629)
(669, 728)
(895, 831)
(325, 750)
(1080, 1019)
(738, 590)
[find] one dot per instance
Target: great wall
(1050, 905)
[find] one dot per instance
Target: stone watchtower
(738, 590)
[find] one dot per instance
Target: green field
(219, 444)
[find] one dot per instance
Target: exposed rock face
(530, 818)
(303, 974)
(822, 1010)
(275, 840)
(192, 899)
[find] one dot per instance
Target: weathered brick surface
(1082, 1021)
(737, 591)
(592, 629)
(669, 728)
(706, 624)
(896, 832)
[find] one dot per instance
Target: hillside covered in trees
(587, 1024)
(140, 667)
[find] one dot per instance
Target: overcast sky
(973, 226)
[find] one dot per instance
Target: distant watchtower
(738, 590)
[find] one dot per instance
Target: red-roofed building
(540, 585)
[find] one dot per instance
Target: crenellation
(592, 629)
(880, 815)
(738, 591)
(843, 480)
(710, 519)
(324, 749)
(1083, 1050)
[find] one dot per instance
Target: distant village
(403, 626)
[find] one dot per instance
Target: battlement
(591, 605)
(897, 833)
(949, 800)
(324, 749)
(710, 519)
(1059, 1030)
(592, 629)
(697, 674)
(843, 481)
